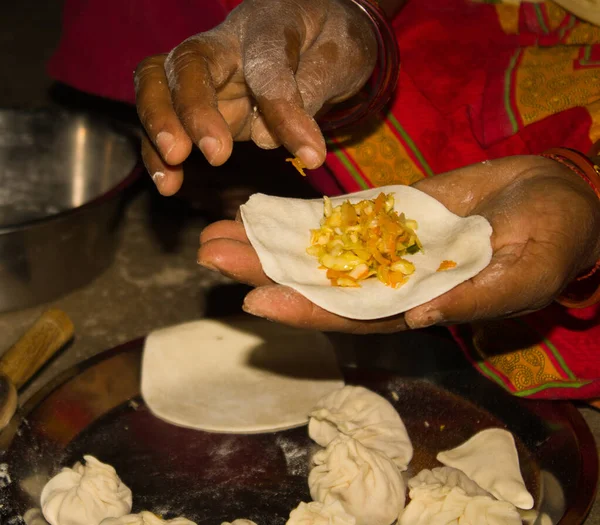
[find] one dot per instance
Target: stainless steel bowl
(63, 178)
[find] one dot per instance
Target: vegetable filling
(365, 240)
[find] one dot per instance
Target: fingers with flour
(167, 178)
(496, 292)
(153, 102)
(284, 305)
(165, 144)
(269, 66)
(195, 70)
(224, 247)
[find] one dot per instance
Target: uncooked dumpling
(365, 416)
(279, 230)
(445, 496)
(85, 495)
(443, 480)
(490, 459)
(145, 518)
(367, 483)
(317, 513)
(456, 508)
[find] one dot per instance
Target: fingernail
(308, 156)
(428, 318)
(249, 310)
(210, 148)
(207, 265)
(158, 178)
(165, 143)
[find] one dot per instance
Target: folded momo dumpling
(145, 518)
(367, 483)
(317, 513)
(85, 495)
(445, 496)
(482, 510)
(456, 508)
(441, 480)
(364, 415)
(490, 459)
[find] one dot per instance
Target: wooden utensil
(21, 361)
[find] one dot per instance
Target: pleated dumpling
(367, 483)
(85, 495)
(456, 508)
(367, 417)
(317, 513)
(445, 496)
(441, 480)
(145, 518)
(490, 459)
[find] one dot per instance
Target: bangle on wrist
(577, 294)
(385, 76)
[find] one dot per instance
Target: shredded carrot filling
(365, 240)
(446, 265)
(298, 164)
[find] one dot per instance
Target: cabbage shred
(365, 240)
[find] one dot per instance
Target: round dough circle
(239, 376)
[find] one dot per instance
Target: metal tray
(96, 408)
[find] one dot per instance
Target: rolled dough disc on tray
(238, 376)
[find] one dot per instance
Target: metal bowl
(63, 178)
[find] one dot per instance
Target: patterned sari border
(410, 145)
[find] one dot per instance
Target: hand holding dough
(367, 417)
(279, 230)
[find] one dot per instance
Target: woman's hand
(262, 75)
(546, 223)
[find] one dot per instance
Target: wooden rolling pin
(52, 330)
